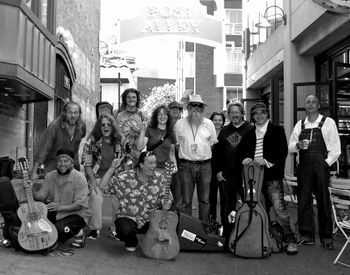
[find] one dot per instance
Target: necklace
(160, 133)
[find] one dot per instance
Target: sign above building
(336, 6)
(172, 17)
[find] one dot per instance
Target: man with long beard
(195, 136)
(66, 131)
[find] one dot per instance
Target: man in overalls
(316, 140)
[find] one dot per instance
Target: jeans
(199, 174)
(274, 195)
(216, 186)
(176, 191)
(127, 229)
(230, 190)
(95, 204)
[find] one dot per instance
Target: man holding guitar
(139, 192)
(65, 191)
(266, 145)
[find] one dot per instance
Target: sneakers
(114, 235)
(292, 248)
(79, 240)
(305, 241)
(93, 235)
(130, 248)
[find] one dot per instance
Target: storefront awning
(21, 86)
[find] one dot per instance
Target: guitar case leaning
(250, 237)
(194, 235)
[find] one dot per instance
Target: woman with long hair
(158, 136)
(104, 144)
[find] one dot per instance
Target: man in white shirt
(316, 139)
(195, 136)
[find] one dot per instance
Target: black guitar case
(194, 235)
(250, 237)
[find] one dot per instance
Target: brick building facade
(48, 56)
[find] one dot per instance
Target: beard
(196, 117)
(68, 170)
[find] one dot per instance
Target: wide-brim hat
(196, 99)
(257, 107)
(175, 104)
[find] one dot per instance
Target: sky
(150, 53)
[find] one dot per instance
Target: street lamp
(265, 18)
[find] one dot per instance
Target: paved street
(108, 256)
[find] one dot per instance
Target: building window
(233, 22)
(45, 11)
(234, 59)
(29, 3)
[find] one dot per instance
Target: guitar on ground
(161, 241)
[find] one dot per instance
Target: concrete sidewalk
(108, 256)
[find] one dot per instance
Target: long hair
(80, 123)
(116, 137)
(65, 107)
(125, 93)
(154, 119)
(218, 114)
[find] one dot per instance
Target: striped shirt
(259, 148)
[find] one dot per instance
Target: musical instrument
(36, 232)
(161, 241)
(250, 237)
(194, 235)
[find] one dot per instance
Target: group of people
(125, 156)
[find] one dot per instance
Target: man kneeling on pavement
(139, 192)
(65, 191)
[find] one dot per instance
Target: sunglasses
(196, 105)
(106, 124)
(149, 153)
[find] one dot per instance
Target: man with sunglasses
(139, 192)
(195, 135)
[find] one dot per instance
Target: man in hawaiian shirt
(139, 192)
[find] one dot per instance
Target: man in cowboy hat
(195, 135)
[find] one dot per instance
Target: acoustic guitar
(161, 241)
(36, 232)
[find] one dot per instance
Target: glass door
(323, 90)
(341, 86)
